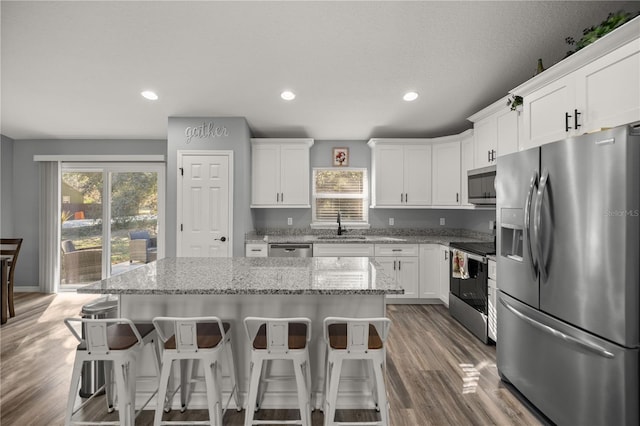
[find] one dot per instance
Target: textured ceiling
(76, 69)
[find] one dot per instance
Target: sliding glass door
(127, 197)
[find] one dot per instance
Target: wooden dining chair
(10, 247)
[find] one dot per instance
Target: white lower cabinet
(343, 250)
(255, 250)
(434, 272)
(429, 271)
(401, 262)
(444, 273)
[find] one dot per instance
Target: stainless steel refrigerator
(568, 255)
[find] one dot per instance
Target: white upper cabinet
(466, 164)
(280, 173)
(596, 87)
(495, 132)
(446, 172)
(546, 113)
(401, 173)
(608, 89)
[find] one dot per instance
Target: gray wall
(360, 156)
(238, 140)
(26, 178)
(6, 187)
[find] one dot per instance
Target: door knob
(223, 239)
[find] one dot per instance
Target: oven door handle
(475, 257)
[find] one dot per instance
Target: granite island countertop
(243, 275)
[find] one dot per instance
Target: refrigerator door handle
(533, 185)
(549, 330)
(544, 179)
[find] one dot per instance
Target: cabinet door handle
(566, 122)
(277, 197)
(406, 197)
(446, 255)
(282, 197)
(457, 198)
(394, 265)
(489, 156)
(493, 154)
(399, 263)
(575, 119)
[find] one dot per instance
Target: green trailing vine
(591, 34)
(514, 102)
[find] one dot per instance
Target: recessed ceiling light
(288, 95)
(148, 94)
(410, 96)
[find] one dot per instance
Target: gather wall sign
(205, 130)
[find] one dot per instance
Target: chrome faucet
(340, 228)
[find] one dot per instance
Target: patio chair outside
(81, 265)
(142, 247)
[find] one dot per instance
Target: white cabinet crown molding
(488, 111)
(610, 42)
(307, 141)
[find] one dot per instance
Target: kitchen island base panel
(234, 308)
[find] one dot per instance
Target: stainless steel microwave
(481, 185)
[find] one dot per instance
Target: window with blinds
(342, 190)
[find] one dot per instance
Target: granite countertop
(243, 275)
(397, 238)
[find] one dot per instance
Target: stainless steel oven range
(468, 301)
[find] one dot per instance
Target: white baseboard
(27, 289)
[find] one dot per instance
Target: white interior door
(205, 204)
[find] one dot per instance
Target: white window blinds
(340, 190)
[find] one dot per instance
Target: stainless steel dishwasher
(290, 250)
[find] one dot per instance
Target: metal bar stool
(117, 342)
(355, 339)
(193, 340)
(278, 339)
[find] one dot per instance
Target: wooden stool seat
(193, 341)
(297, 336)
(117, 342)
(278, 339)
(355, 339)
(120, 336)
(338, 337)
(207, 334)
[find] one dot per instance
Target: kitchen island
(234, 288)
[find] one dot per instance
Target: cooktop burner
(482, 249)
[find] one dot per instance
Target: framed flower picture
(340, 156)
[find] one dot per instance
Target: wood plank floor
(438, 373)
